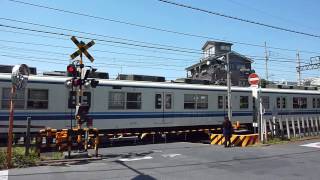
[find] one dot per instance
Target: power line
(93, 34)
(240, 19)
(40, 59)
(111, 45)
(95, 50)
(103, 40)
(97, 57)
(154, 28)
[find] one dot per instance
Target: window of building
(133, 100)
(19, 99)
(168, 101)
(220, 102)
(38, 99)
(265, 102)
(195, 101)
(116, 100)
(158, 101)
(299, 102)
(244, 102)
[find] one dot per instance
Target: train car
(123, 105)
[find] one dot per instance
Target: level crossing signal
(82, 48)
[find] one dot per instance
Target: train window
(168, 101)
(202, 101)
(189, 101)
(19, 99)
(278, 102)
(220, 102)
(195, 101)
(226, 102)
(314, 103)
(38, 99)
(318, 102)
(158, 101)
(265, 102)
(244, 102)
(72, 99)
(284, 103)
(116, 100)
(133, 100)
(299, 102)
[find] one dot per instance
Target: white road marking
(135, 159)
(315, 145)
(170, 155)
(4, 175)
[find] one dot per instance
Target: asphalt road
(187, 161)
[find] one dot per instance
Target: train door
(164, 105)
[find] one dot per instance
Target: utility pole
(229, 86)
(266, 61)
(298, 69)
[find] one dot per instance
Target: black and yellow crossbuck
(82, 49)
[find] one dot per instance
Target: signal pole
(298, 68)
(229, 86)
(266, 61)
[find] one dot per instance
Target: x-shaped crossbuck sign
(82, 49)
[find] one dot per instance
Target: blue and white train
(139, 105)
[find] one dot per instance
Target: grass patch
(277, 141)
(19, 160)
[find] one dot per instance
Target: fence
(291, 126)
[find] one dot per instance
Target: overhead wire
(154, 28)
(240, 19)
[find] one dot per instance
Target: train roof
(160, 85)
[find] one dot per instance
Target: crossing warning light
(72, 70)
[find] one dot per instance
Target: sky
(130, 48)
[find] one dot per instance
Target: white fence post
(270, 127)
(317, 125)
(274, 126)
(299, 129)
(293, 126)
(312, 125)
(281, 127)
(308, 127)
(288, 128)
(303, 126)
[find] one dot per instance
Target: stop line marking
(315, 145)
(4, 175)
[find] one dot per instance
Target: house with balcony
(211, 66)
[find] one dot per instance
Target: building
(211, 68)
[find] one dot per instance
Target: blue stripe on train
(134, 115)
(119, 115)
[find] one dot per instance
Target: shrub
(20, 160)
(3, 159)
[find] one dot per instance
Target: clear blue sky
(299, 15)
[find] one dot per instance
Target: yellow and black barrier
(236, 140)
(66, 139)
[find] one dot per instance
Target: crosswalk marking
(314, 145)
(4, 175)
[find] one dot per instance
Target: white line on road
(315, 145)
(4, 175)
(135, 159)
(170, 155)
